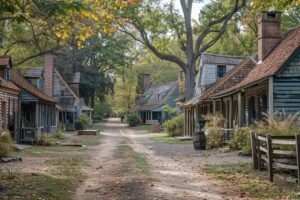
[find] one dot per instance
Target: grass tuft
(165, 138)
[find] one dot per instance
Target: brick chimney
(146, 81)
(48, 75)
(268, 32)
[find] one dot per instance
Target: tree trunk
(189, 82)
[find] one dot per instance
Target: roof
(233, 77)
(34, 72)
(5, 60)
(273, 61)
(72, 78)
(157, 96)
(9, 85)
(22, 83)
(221, 59)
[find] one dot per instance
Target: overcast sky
(196, 7)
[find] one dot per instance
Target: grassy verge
(140, 159)
(143, 127)
(61, 177)
(164, 138)
(253, 183)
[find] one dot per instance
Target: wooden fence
(266, 151)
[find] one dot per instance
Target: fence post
(270, 157)
(298, 156)
(259, 162)
(254, 151)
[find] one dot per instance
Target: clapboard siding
(287, 86)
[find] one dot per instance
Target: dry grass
(5, 143)
(214, 125)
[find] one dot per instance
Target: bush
(174, 127)
(170, 111)
(241, 140)
(214, 125)
(59, 134)
(133, 119)
(83, 122)
(6, 144)
(46, 140)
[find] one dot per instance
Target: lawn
(164, 138)
(142, 127)
(251, 183)
(59, 181)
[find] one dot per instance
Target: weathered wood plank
(282, 152)
(263, 149)
(264, 158)
(284, 142)
(253, 147)
(284, 166)
(298, 156)
(262, 138)
(270, 157)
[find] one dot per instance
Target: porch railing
(266, 151)
(30, 134)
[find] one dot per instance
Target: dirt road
(173, 172)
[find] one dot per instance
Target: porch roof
(22, 83)
(272, 63)
(9, 85)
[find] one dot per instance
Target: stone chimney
(268, 32)
(146, 81)
(48, 75)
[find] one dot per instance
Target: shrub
(170, 111)
(6, 144)
(83, 122)
(46, 140)
(214, 125)
(133, 119)
(241, 140)
(59, 134)
(174, 127)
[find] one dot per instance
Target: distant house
(255, 87)
(49, 80)
(9, 98)
(150, 104)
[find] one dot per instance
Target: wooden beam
(271, 97)
(270, 157)
(240, 104)
(298, 156)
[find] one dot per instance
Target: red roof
(20, 81)
(8, 85)
(273, 62)
(5, 60)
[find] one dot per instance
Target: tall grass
(278, 123)
(214, 125)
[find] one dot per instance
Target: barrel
(199, 140)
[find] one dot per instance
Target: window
(221, 70)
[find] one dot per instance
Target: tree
(156, 26)
(48, 25)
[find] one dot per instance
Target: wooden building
(37, 111)
(49, 80)
(255, 87)
(273, 84)
(9, 100)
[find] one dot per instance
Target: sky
(196, 7)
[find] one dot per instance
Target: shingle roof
(221, 59)
(273, 62)
(22, 83)
(9, 85)
(34, 72)
(5, 60)
(156, 96)
(72, 78)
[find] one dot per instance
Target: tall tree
(157, 25)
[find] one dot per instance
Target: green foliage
(278, 123)
(214, 125)
(241, 140)
(174, 127)
(101, 109)
(59, 134)
(6, 143)
(84, 121)
(46, 140)
(133, 119)
(170, 111)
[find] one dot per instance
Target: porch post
(230, 112)
(214, 107)
(239, 109)
(37, 115)
(271, 97)
(73, 124)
